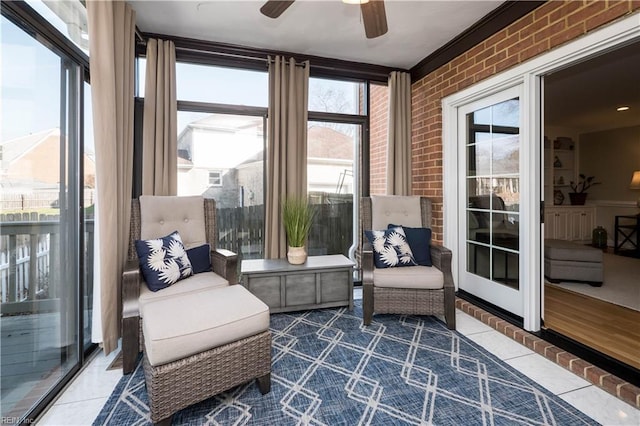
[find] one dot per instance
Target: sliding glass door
(41, 223)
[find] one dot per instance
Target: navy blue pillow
(390, 248)
(199, 258)
(419, 240)
(163, 261)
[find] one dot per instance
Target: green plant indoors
(297, 216)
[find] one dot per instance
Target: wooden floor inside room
(611, 329)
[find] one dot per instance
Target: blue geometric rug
(328, 369)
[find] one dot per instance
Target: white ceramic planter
(297, 255)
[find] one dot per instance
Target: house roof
(15, 148)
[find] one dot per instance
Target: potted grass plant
(297, 216)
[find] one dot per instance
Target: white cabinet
(573, 223)
(556, 223)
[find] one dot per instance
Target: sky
(30, 85)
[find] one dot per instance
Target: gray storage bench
(573, 262)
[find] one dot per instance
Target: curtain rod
(270, 60)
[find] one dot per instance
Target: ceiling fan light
(355, 1)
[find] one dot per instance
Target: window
(205, 83)
(222, 113)
(334, 174)
(215, 178)
(221, 152)
(41, 250)
(336, 96)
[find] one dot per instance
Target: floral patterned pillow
(163, 261)
(390, 248)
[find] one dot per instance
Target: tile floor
(81, 402)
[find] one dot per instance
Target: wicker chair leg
(367, 304)
(130, 344)
(164, 422)
(264, 383)
(450, 307)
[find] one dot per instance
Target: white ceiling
(327, 28)
(584, 97)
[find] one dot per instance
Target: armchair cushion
(415, 277)
(390, 248)
(419, 240)
(163, 261)
(199, 258)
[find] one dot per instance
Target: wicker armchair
(391, 297)
(134, 291)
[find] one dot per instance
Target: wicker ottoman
(209, 342)
(573, 262)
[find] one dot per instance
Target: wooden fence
(241, 229)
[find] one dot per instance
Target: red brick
(566, 35)
(520, 46)
(546, 9)
(507, 63)
(629, 393)
(579, 366)
(589, 10)
(487, 52)
(495, 58)
(536, 26)
(611, 383)
(509, 41)
(520, 24)
(565, 10)
(548, 31)
(551, 352)
(612, 12)
(534, 50)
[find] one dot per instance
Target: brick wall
(544, 29)
(378, 136)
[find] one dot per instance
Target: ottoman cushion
(175, 328)
(195, 283)
(567, 250)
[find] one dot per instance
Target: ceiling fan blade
(374, 18)
(275, 8)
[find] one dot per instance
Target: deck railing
(29, 248)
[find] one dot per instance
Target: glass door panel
(489, 136)
(39, 244)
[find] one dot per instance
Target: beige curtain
(159, 134)
(111, 42)
(287, 145)
(399, 147)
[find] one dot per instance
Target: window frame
(219, 178)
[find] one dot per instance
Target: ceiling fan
(374, 16)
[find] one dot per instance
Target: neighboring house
(30, 168)
(213, 160)
(209, 152)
